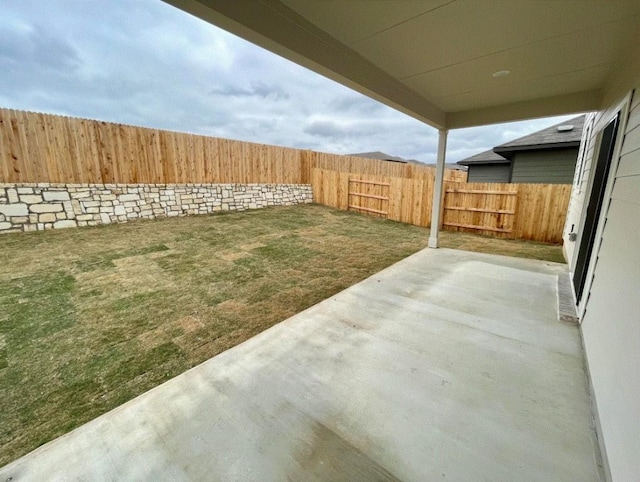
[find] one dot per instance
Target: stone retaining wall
(35, 207)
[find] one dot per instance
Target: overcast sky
(146, 63)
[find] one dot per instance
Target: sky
(146, 63)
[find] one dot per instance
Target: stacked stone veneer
(35, 207)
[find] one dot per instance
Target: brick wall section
(36, 207)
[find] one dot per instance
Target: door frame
(621, 109)
(596, 201)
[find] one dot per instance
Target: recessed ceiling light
(501, 73)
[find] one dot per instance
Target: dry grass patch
(505, 247)
(92, 317)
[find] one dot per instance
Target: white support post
(436, 204)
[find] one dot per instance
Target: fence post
(436, 211)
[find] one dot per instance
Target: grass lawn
(92, 317)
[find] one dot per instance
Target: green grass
(92, 317)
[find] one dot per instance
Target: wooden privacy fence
(369, 196)
(48, 148)
(514, 211)
(487, 208)
(409, 200)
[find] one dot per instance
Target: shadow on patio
(448, 365)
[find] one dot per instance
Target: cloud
(257, 89)
(147, 63)
(338, 129)
(353, 102)
(34, 46)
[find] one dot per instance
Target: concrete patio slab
(448, 365)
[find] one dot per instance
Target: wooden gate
(490, 210)
(369, 196)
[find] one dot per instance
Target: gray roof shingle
(486, 157)
(547, 138)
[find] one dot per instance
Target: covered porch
(448, 365)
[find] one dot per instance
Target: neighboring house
(547, 157)
(381, 156)
(487, 167)
(563, 57)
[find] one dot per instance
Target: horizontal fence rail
(369, 196)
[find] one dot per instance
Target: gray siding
(556, 166)
(489, 173)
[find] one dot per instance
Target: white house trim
(623, 109)
(436, 210)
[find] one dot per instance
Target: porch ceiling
(434, 59)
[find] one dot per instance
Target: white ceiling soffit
(435, 59)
